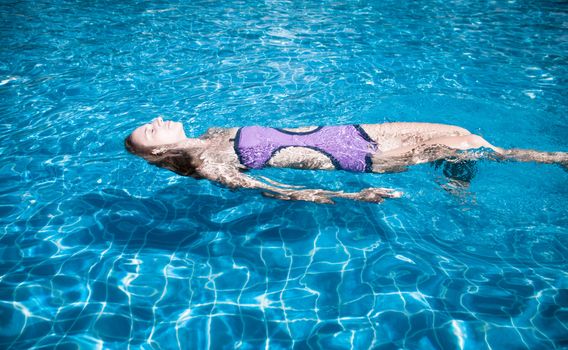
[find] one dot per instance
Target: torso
(343, 147)
(386, 136)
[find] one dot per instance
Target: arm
(234, 179)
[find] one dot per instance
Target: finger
(393, 194)
(384, 192)
(396, 194)
(324, 200)
(377, 200)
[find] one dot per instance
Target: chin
(182, 133)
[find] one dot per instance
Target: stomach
(300, 158)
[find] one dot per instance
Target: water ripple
(100, 250)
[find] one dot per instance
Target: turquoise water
(100, 250)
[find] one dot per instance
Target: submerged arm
(232, 178)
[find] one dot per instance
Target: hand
(377, 195)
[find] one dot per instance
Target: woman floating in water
(222, 154)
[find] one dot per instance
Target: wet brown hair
(176, 159)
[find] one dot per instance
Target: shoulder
(219, 133)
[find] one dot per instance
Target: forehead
(139, 132)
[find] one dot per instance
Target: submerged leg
(462, 172)
(527, 155)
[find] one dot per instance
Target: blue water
(100, 250)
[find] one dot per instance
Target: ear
(159, 151)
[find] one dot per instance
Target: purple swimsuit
(347, 146)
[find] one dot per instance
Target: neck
(193, 143)
(194, 147)
(189, 144)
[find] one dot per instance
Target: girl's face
(158, 133)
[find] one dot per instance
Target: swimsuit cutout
(347, 146)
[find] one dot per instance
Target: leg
(517, 155)
(390, 136)
(450, 147)
(454, 142)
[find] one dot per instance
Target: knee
(459, 131)
(476, 141)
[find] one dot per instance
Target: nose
(159, 121)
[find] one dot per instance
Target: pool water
(99, 250)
